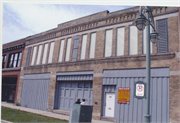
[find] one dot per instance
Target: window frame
(105, 43)
(69, 49)
(60, 50)
(90, 45)
(129, 41)
(117, 40)
(151, 44)
(44, 52)
(50, 52)
(3, 61)
(33, 61)
(166, 19)
(85, 45)
(18, 61)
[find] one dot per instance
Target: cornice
(118, 17)
(15, 47)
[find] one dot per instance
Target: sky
(23, 20)
(20, 20)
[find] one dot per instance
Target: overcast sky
(22, 20)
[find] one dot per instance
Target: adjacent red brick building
(11, 67)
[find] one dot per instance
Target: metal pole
(147, 115)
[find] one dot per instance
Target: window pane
(108, 43)
(68, 49)
(144, 41)
(120, 41)
(92, 45)
(19, 60)
(15, 60)
(45, 54)
(12, 56)
(4, 58)
(11, 60)
(51, 52)
(133, 39)
(34, 55)
(20, 54)
(83, 47)
(39, 54)
(61, 51)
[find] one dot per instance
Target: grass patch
(14, 115)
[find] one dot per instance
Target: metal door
(35, 91)
(68, 92)
(109, 107)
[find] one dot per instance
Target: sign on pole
(139, 89)
(123, 95)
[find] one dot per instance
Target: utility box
(81, 113)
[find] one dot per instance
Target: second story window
(51, 50)
(144, 41)
(133, 40)
(120, 41)
(68, 49)
(83, 47)
(92, 45)
(39, 54)
(34, 55)
(14, 60)
(45, 54)
(61, 51)
(162, 30)
(108, 43)
(3, 60)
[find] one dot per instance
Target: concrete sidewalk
(44, 113)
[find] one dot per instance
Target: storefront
(132, 111)
(9, 89)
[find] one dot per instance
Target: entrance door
(109, 107)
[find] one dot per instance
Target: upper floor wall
(12, 55)
(110, 36)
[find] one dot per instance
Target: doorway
(109, 105)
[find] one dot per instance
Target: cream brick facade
(99, 23)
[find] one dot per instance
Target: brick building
(92, 56)
(11, 67)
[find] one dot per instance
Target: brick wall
(99, 63)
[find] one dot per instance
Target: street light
(140, 22)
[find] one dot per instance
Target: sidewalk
(44, 113)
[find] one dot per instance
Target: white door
(109, 106)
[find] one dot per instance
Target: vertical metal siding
(28, 56)
(35, 92)
(134, 111)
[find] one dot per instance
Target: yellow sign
(123, 94)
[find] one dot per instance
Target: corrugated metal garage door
(71, 86)
(134, 111)
(35, 91)
(69, 92)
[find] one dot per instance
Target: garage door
(35, 91)
(134, 110)
(68, 92)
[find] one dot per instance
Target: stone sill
(113, 59)
(11, 69)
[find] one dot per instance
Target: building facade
(93, 56)
(11, 67)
